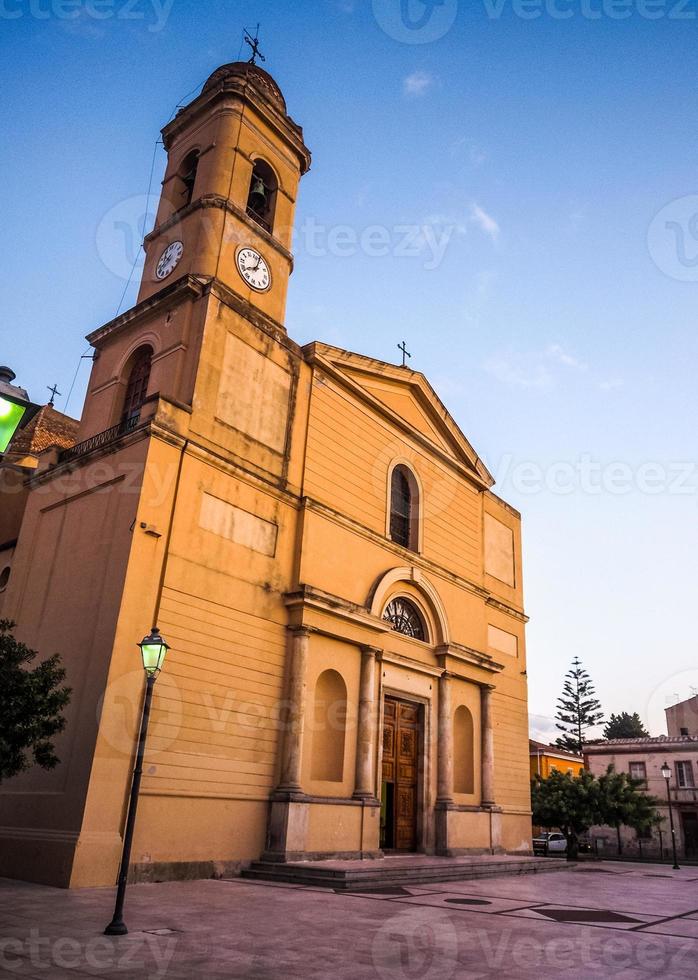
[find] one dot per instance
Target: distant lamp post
(15, 408)
(666, 772)
(153, 649)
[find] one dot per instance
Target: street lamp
(15, 408)
(153, 649)
(666, 772)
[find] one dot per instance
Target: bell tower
(235, 159)
(224, 226)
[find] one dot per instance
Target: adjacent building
(48, 430)
(313, 534)
(546, 758)
(643, 759)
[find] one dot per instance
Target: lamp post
(15, 408)
(666, 772)
(153, 649)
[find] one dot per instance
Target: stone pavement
(605, 920)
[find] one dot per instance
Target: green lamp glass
(153, 650)
(15, 408)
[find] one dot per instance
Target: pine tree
(578, 708)
(625, 725)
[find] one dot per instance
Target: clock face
(253, 269)
(169, 260)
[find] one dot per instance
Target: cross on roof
(54, 391)
(254, 44)
(405, 353)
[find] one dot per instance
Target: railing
(100, 440)
(260, 219)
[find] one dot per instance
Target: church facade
(312, 533)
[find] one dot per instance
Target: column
(444, 781)
(291, 756)
(367, 729)
(487, 759)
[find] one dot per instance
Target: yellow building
(314, 536)
(545, 758)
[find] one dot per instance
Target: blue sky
(536, 180)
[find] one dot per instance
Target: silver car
(550, 843)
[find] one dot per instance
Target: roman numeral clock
(253, 268)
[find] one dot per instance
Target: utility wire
(158, 142)
(145, 218)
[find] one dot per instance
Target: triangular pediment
(405, 396)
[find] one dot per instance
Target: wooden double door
(402, 739)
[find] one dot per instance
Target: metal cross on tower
(54, 391)
(405, 353)
(254, 44)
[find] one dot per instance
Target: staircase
(411, 869)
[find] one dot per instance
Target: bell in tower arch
(258, 195)
(262, 194)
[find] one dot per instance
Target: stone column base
(288, 829)
(441, 814)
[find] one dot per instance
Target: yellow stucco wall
(545, 763)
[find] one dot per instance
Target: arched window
(186, 178)
(329, 728)
(405, 618)
(404, 508)
(261, 200)
(463, 751)
(137, 384)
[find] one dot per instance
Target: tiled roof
(47, 428)
(534, 746)
(602, 746)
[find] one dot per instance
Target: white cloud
(484, 221)
(479, 294)
(557, 353)
(532, 369)
(542, 728)
(518, 371)
(476, 154)
(418, 83)
(612, 384)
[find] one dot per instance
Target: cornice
(504, 607)
(467, 655)
(223, 204)
(245, 93)
(307, 598)
(186, 287)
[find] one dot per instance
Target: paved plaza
(593, 920)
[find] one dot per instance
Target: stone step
(353, 875)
